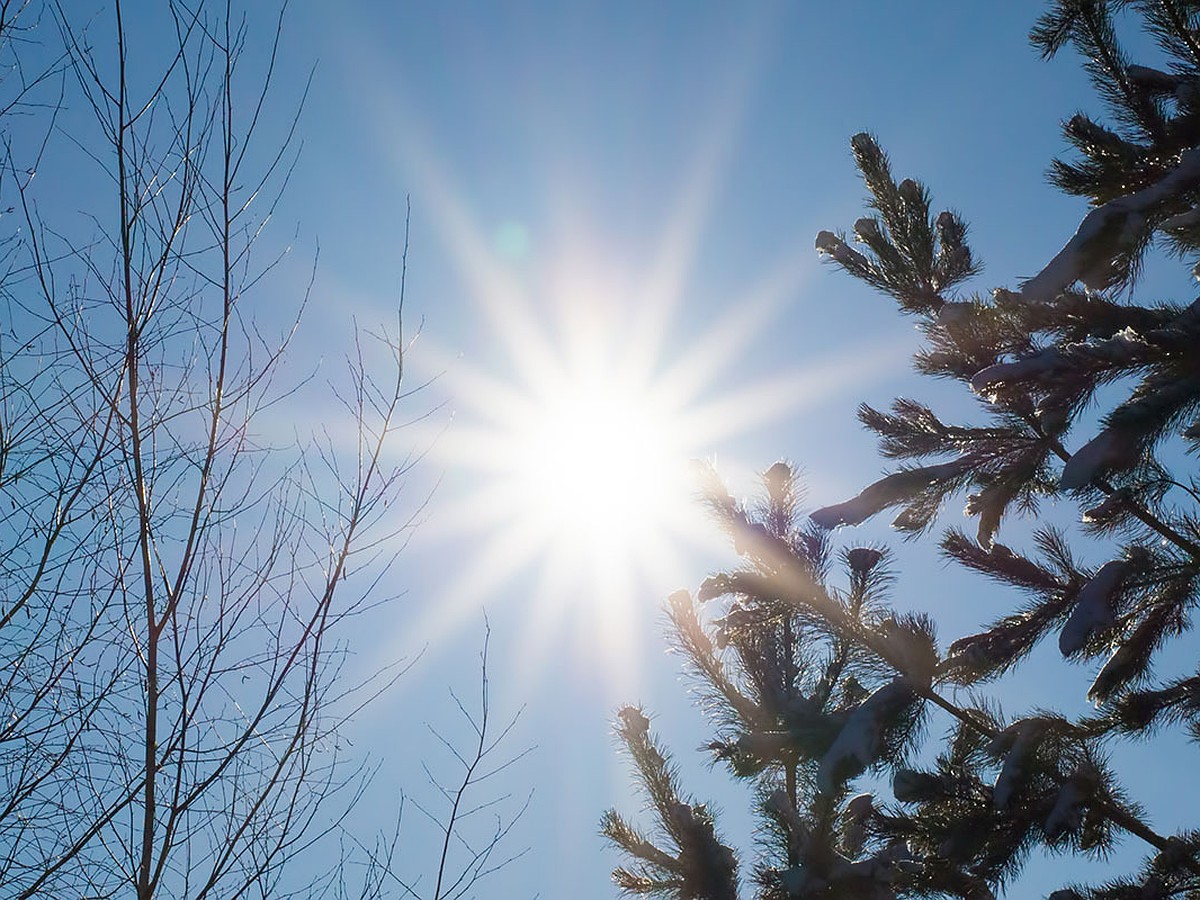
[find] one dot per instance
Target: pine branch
(1143, 515)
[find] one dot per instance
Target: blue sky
(653, 174)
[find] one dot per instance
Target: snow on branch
(1121, 221)
(1125, 348)
(829, 244)
(1107, 450)
(1014, 746)
(1093, 607)
(888, 491)
(860, 741)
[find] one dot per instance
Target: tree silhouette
(813, 683)
(173, 582)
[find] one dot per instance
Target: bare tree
(471, 817)
(172, 584)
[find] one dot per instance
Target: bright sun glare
(579, 466)
(593, 460)
(576, 419)
(572, 457)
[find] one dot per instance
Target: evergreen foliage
(812, 682)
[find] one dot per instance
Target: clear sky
(617, 202)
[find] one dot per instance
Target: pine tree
(813, 686)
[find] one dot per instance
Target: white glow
(594, 461)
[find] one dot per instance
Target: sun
(568, 466)
(568, 491)
(576, 457)
(597, 463)
(590, 383)
(570, 458)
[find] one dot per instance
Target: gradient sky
(652, 173)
